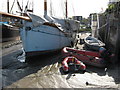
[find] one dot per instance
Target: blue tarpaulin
(3, 22)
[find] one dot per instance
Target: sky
(57, 7)
(85, 7)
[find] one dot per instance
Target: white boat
(93, 43)
(42, 34)
(46, 34)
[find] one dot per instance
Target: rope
(62, 6)
(73, 9)
(12, 6)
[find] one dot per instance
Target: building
(79, 18)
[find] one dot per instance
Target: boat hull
(43, 39)
(92, 47)
(93, 43)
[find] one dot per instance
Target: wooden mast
(45, 7)
(66, 9)
(7, 6)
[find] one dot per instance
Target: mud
(45, 72)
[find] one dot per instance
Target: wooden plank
(15, 16)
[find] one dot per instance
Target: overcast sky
(57, 7)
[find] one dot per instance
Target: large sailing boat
(45, 34)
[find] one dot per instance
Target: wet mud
(45, 72)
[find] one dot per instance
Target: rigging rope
(12, 6)
(73, 9)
